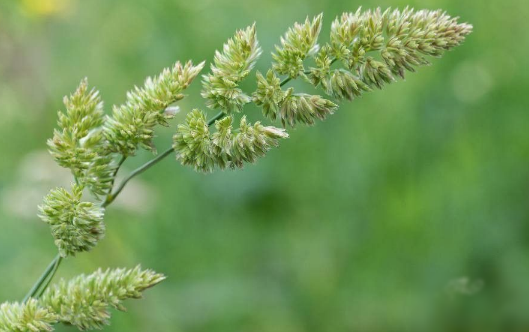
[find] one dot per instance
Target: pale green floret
(299, 42)
(192, 142)
(320, 73)
(252, 142)
(79, 143)
(76, 226)
(230, 67)
(84, 301)
(222, 142)
(132, 124)
(197, 147)
(344, 85)
(26, 317)
(304, 108)
(268, 94)
(375, 73)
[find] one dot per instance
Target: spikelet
(344, 85)
(26, 317)
(132, 124)
(231, 66)
(197, 147)
(253, 141)
(75, 225)
(299, 42)
(192, 142)
(268, 94)
(79, 143)
(84, 301)
(319, 75)
(304, 108)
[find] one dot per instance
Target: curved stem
(139, 170)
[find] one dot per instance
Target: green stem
(219, 116)
(285, 81)
(121, 161)
(139, 170)
(43, 277)
(50, 278)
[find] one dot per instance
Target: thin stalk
(50, 278)
(42, 278)
(285, 81)
(219, 116)
(121, 161)
(139, 170)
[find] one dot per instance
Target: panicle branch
(230, 67)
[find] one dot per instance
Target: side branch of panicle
(197, 147)
(374, 47)
(75, 225)
(25, 317)
(230, 67)
(84, 301)
(132, 124)
(79, 143)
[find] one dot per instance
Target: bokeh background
(408, 210)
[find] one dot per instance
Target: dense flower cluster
(85, 301)
(269, 94)
(304, 108)
(374, 46)
(79, 144)
(231, 66)
(400, 39)
(299, 42)
(75, 225)
(132, 124)
(196, 146)
(26, 317)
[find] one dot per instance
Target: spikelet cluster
(79, 143)
(132, 124)
(299, 42)
(84, 301)
(230, 67)
(269, 94)
(304, 108)
(376, 47)
(197, 147)
(290, 107)
(26, 317)
(75, 225)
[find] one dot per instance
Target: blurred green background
(408, 210)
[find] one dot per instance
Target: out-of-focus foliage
(406, 210)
